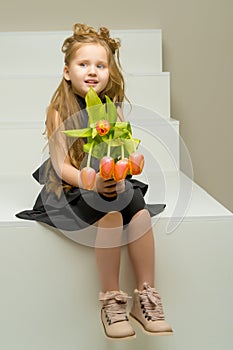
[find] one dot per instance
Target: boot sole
(140, 325)
(128, 337)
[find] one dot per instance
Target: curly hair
(64, 100)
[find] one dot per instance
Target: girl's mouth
(91, 82)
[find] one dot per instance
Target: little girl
(115, 209)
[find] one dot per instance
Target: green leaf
(87, 147)
(131, 145)
(121, 125)
(94, 106)
(121, 133)
(78, 132)
(137, 141)
(123, 128)
(114, 142)
(116, 153)
(92, 98)
(106, 138)
(111, 110)
(94, 133)
(99, 150)
(96, 113)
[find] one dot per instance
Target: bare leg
(141, 248)
(108, 250)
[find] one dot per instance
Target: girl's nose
(92, 70)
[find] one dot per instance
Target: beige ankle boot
(113, 314)
(147, 311)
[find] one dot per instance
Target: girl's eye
(100, 66)
(82, 64)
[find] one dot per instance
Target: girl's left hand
(109, 188)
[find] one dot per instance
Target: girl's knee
(111, 219)
(109, 231)
(139, 225)
(142, 214)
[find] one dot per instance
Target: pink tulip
(136, 163)
(107, 167)
(121, 169)
(88, 177)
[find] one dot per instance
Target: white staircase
(49, 286)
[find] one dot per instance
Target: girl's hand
(108, 188)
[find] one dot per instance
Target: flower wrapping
(108, 140)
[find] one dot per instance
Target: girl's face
(89, 67)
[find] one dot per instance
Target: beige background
(197, 50)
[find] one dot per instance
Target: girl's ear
(66, 74)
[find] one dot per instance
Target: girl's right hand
(108, 188)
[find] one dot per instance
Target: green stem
(89, 154)
(122, 151)
(109, 145)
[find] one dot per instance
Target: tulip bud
(136, 163)
(121, 169)
(88, 177)
(102, 127)
(107, 167)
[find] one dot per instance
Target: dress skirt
(76, 209)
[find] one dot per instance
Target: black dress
(76, 209)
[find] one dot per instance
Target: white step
(40, 52)
(185, 200)
(49, 284)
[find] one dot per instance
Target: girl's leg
(108, 250)
(141, 248)
(113, 300)
(147, 309)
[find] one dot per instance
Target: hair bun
(82, 30)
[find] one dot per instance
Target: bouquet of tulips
(108, 140)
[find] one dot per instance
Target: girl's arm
(120, 114)
(58, 150)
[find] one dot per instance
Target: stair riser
(46, 281)
(25, 98)
(40, 52)
(150, 91)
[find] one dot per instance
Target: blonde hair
(64, 100)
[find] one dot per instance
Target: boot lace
(114, 305)
(151, 303)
